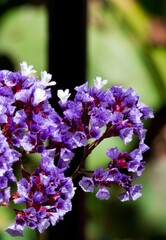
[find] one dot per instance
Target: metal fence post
(67, 64)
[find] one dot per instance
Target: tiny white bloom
(98, 83)
(39, 95)
(63, 95)
(26, 70)
(45, 79)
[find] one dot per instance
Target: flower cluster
(30, 125)
(47, 194)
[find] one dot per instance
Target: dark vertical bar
(67, 64)
(67, 43)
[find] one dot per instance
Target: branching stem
(9, 206)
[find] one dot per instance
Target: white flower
(39, 95)
(26, 70)
(45, 79)
(98, 83)
(63, 95)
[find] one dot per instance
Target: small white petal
(39, 95)
(46, 78)
(26, 70)
(63, 95)
(98, 83)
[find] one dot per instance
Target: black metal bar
(67, 64)
(67, 43)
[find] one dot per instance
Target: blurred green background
(126, 44)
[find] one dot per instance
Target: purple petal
(15, 230)
(43, 225)
(54, 217)
(135, 191)
(126, 134)
(103, 194)
(80, 138)
(113, 175)
(100, 174)
(87, 184)
(113, 153)
(124, 196)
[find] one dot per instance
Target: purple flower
(87, 184)
(27, 120)
(140, 133)
(113, 153)
(44, 135)
(30, 213)
(146, 111)
(99, 175)
(23, 187)
(135, 117)
(80, 138)
(3, 182)
(118, 91)
(44, 194)
(23, 95)
(125, 181)
(28, 141)
(73, 111)
(136, 167)
(67, 190)
(3, 118)
(136, 154)
(40, 149)
(15, 230)
(37, 197)
(54, 217)
(95, 132)
(124, 196)
(12, 79)
(45, 180)
(113, 175)
(116, 118)
(43, 225)
(66, 154)
(103, 194)
(100, 116)
(34, 128)
(47, 164)
(132, 193)
(20, 118)
(5, 195)
(32, 224)
(83, 94)
(126, 134)
(41, 213)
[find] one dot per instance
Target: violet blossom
(27, 121)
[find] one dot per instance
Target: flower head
(63, 95)
(28, 124)
(46, 78)
(39, 96)
(26, 70)
(99, 83)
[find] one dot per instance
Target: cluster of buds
(28, 125)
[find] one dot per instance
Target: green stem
(8, 206)
(81, 170)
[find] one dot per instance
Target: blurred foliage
(23, 36)
(119, 49)
(127, 45)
